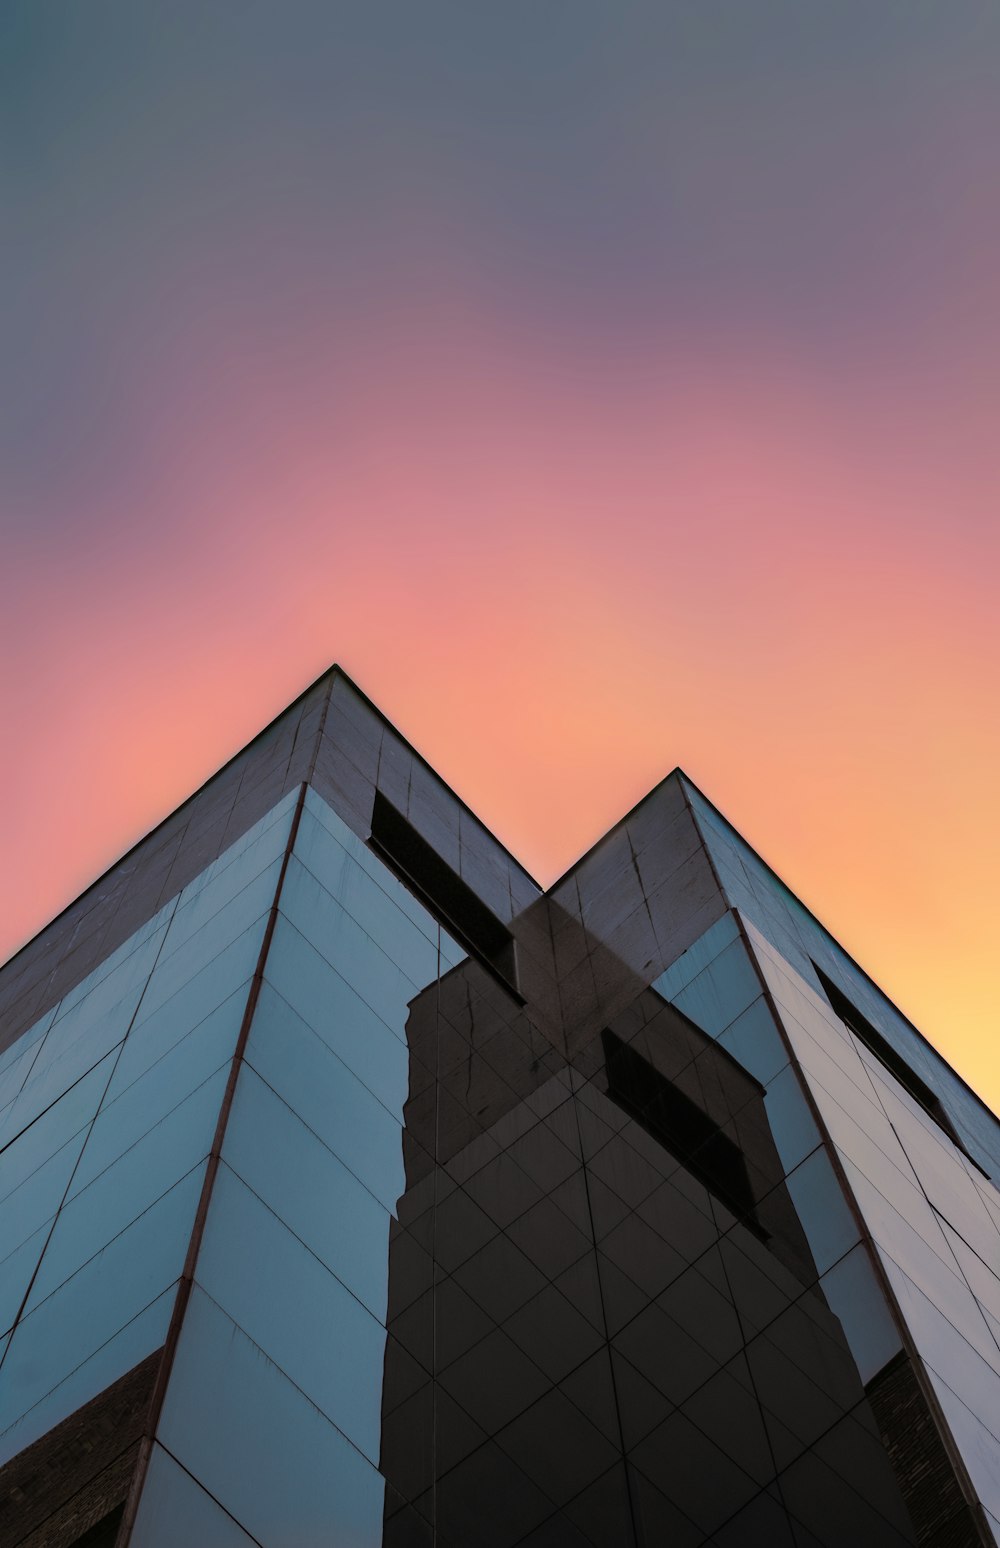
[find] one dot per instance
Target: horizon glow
(605, 390)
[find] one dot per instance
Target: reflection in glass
(259, 1446)
(174, 1509)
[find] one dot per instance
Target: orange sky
(600, 408)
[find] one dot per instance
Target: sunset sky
(606, 386)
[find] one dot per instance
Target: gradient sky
(606, 386)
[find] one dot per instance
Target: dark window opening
(680, 1126)
(102, 1535)
(887, 1055)
(451, 900)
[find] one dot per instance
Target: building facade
(355, 1191)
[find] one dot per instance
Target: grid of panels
(272, 1420)
(450, 1292)
(934, 1218)
(791, 930)
(110, 1106)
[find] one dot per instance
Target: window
(451, 900)
(887, 1055)
(680, 1126)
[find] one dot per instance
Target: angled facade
(355, 1191)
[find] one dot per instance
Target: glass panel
(126, 1117)
(259, 1446)
(334, 1104)
(979, 1446)
(309, 842)
(370, 905)
(854, 1295)
(196, 1015)
(16, 1050)
(697, 957)
(19, 1059)
(754, 1040)
(792, 1123)
(87, 1311)
(15, 1274)
(303, 1182)
(175, 1509)
(98, 997)
(981, 1278)
(213, 961)
(722, 992)
(295, 1310)
(48, 1405)
(251, 851)
(969, 1364)
(109, 1203)
(211, 919)
(359, 959)
(67, 1117)
(826, 1219)
(72, 1048)
(355, 875)
(116, 961)
(35, 1202)
(338, 1014)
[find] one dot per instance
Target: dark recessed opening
(681, 1127)
(451, 900)
(103, 1534)
(887, 1055)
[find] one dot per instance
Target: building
(357, 1192)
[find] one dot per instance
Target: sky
(606, 385)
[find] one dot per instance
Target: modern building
(355, 1191)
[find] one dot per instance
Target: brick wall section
(932, 1493)
(69, 1480)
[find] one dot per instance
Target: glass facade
(363, 1194)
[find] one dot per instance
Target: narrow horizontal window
(680, 1126)
(887, 1055)
(451, 900)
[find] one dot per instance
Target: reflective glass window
(754, 1040)
(826, 1219)
(697, 957)
(16, 1270)
(312, 1191)
(113, 964)
(29, 1407)
(259, 1446)
(251, 851)
(36, 1200)
(854, 1296)
(67, 1117)
(110, 1202)
(175, 1509)
(63, 1062)
(722, 991)
(217, 914)
(326, 818)
(128, 1114)
(338, 1014)
(18, 1060)
(200, 1016)
(335, 1104)
(359, 959)
(213, 961)
(791, 1120)
(353, 890)
(101, 1297)
(294, 1309)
